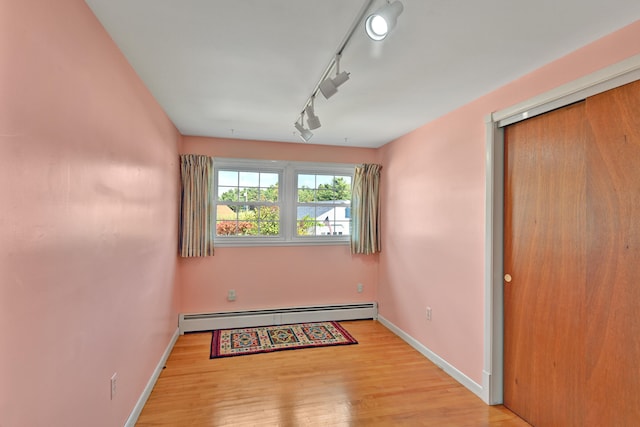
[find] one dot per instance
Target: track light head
(380, 23)
(329, 86)
(312, 120)
(305, 134)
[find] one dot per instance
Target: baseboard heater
(276, 316)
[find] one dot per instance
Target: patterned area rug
(238, 342)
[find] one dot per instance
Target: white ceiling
(245, 68)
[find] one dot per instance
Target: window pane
(306, 211)
(268, 179)
(306, 217)
(269, 228)
(226, 228)
(323, 180)
(229, 194)
(323, 220)
(326, 192)
(306, 181)
(249, 179)
(338, 189)
(258, 221)
(333, 228)
(306, 187)
(327, 187)
(268, 220)
(269, 194)
(306, 195)
(306, 228)
(245, 212)
(229, 221)
(342, 228)
(269, 187)
(226, 213)
(228, 178)
(234, 228)
(232, 220)
(248, 194)
(245, 228)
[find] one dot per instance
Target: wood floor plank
(381, 381)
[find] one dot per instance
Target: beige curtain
(365, 210)
(196, 214)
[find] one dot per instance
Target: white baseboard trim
(486, 387)
(474, 387)
(133, 417)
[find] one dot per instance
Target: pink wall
(433, 211)
(269, 277)
(88, 223)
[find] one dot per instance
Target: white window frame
(287, 198)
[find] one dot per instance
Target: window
(261, 202)
(323, 204)
(247, 203)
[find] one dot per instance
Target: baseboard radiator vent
(277, 316)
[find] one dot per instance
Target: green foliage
(268, 218)
(339, 189)
(263, 220)
(250, 194)
(306, 225)
(269, 194)
(305, 195)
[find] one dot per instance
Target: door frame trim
(610, 77)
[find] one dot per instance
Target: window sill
(301, 242)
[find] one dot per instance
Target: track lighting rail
(385, 15)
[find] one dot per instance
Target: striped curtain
(365, 208)
(196, 213)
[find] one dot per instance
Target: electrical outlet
(231, 295)
(428, 313)
(360, 287)
(113, 385)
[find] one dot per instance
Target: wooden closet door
(544, 303)
(613, 265)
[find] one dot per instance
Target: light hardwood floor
(381, 381)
